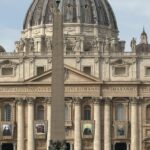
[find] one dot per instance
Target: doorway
(120, 146)
(7, 146)
(68, 146)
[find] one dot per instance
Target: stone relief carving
(122, 61)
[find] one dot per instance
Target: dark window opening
(40, 70)
(7, 71)
(87, 112)
(87, 70)
(40, 112)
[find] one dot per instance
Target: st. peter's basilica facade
(107, 90)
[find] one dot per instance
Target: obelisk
(58, 103)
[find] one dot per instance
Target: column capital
(48, 100)
(20, 100)
(107, 100)
(97, 100)
(30, 100)
(69, 99)
(134, 100)
(77, 100)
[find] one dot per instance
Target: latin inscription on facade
(46, 91)
(119, 91)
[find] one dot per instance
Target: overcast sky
(131, 16)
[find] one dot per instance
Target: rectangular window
(87, 70)
(147, 71)
(120, 70)
(40, 70)
(7, 71)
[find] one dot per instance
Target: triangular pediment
(71, 75)
(7, 63)
(121, 62)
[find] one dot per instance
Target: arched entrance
(120, 146)
(7, 146)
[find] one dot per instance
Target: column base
(58, 145)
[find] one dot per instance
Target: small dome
(2, 49)
(74, 11)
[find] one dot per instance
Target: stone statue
(95, 45)
(31, 45)
(77, 47)
(49, 44)
(17, 46)
(21, 45)
(133, 45)
(107, 45)
(114, 46)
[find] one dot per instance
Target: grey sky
(131, 16)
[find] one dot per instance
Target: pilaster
(77, 124)
(107, 124)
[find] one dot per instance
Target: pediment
(8, 63)
(121, 61)
(71, 76)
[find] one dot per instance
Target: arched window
(120, 112)
(40, 112)
(148, 113)
(7, 112)
(87, 112)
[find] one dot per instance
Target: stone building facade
(107, 90)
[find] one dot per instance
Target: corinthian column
(77, 125)
(20, 125)
(97, 134)
(107, 125)
(49, 121)
(134, 125)
(30, 136)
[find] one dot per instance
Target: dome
(74, 11)
(2, 49)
